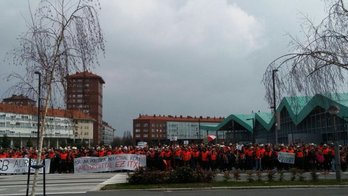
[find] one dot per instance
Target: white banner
(285, 157)
(109, 163)
(20, 165)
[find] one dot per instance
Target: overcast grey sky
(180, 57)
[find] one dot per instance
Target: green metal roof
(265, 119)
(243, 119)
(298, 108)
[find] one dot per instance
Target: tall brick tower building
(85, 93)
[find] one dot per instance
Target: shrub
(204, 176)
(293, 174)
(183, 175)
(179, 175)
(236, 174)
(270, 175)
(250, 176)
(314, 175)
(143, 176)
(300, 175)
(227, 176)
(259, 176)
(281, 175)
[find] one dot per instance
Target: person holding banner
(3, 154)
(52, 154)
(299, 158)
(63, 161)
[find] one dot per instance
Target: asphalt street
(89, 185)
(229, 192)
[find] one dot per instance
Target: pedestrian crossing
(55, 183)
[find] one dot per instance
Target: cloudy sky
(180, 57)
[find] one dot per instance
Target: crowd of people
(209, 157)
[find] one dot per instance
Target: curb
(241, 187)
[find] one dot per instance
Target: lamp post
(38, 109)
(334, 110)
(199, 128)
(274, 106)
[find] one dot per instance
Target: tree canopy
(318, 63)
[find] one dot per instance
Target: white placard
(285, 157)
(20, 165)
(109, 163)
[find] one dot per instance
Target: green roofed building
(301, 119)
(306, 119)
(236, 128)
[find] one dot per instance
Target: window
(137, 130)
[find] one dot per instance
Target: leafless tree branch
(318, 62)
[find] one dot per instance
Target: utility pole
(334, 110)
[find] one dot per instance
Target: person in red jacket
(213, 159)
(249, 157)
(53, 156)
(101, 152)
(186, 157)
(195, 158)
(63, 160)
(168, 158)
(3, 154)
(177, 157)
(258, 157)
(205, 159)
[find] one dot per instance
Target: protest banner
(285, 157)
(20, 165)
(109, 163)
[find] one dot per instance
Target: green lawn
(224, 184)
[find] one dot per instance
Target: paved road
(229, 192)
(57, 183)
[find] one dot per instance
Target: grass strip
(223, 184)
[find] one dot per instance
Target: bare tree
(317, 63)
(64, 36)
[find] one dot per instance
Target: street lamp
(199, 127)
(38, 109)
(274, 106)
(334, 110)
